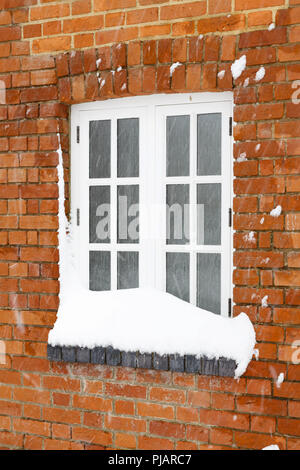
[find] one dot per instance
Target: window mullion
(114, 202)
(193, 210)
(160, 197)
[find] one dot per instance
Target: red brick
(258, 441)
(263, 38)
(91, 435)
(150, 443)
(131, 391)
(183, 11)
(125, 424)
(167, 429)
(167, 395)
(223, 23)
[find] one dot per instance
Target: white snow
(280, 380)
(260, 74)
(246, 82)
(221, 74)
(262, 220)
(242, 157)
(173, 67)
(264, 302)
(149, 320)
(256, 354)
(238, 67)
(272, 447)
(64, 228)
(276, 212)
(249, 237)
(144, 319)
(257, 147)
(271, 27)
(119, 68)
(98, 62)
(101, 80)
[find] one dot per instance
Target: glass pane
(209, 282)
(178, 275)
(178, 199)
(99, 214)
(209, 144)
(128, 269)
(178, 146)
(100, 270)
(128, 214)
(100, 132)
(128, 147)
(209, 214)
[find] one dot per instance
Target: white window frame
(152, 111)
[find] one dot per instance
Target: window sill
(221, 367)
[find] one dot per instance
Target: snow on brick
(280, 380)
(264, 302)
(242, 157)
(260, 74)
(276, 212)
(250, 237)
(173, 67)
(238, 67)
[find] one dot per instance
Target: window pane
(209, 214)
(178, 145)
(128, 214)
(100, 270)
(128, 269)
(178, 275)
(100, 132)
(209, 282)
(209, 144)
(128, 147)
(99, 214)
(178, 199)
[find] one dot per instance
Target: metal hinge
(78, 217)
(78, 134)
(230, 126)
(230, 217)
(229, 307)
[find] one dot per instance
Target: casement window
(151, 195)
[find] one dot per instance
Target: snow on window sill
(147, 328)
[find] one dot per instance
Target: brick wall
(48, 53)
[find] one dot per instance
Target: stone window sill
(221, 367)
